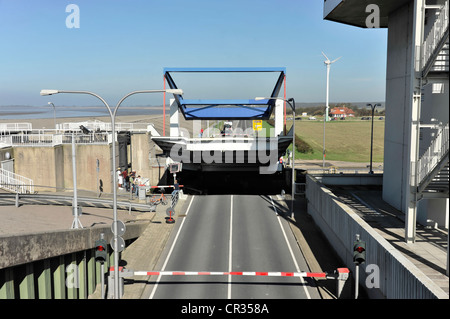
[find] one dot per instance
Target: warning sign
(257, 125)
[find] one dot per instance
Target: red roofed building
(341, 112)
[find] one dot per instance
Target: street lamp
(292, 105)
(112, 114)
(54, 113)
(371, 135)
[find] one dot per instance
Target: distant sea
(21, 112)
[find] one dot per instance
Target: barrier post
(343, 287)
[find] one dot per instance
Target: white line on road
(290, 249)
(170, 251)
(230, 251)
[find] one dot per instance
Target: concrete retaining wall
(56, 265)
(51, 167)
(399, 277)
(26, 248)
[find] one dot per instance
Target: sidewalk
(144, 253)
(428, 253)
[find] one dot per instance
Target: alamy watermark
(73, 19)
(72, 279)
(373, 19)
(262, 150)
(373, 276)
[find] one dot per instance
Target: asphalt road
(231, 233)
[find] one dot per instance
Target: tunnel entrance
(223, 182)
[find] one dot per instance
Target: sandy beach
(49, 123)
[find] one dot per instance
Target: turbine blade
(325, 56)
(336, 59)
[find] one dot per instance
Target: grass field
(347, 140)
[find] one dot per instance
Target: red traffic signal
(359, 252)
(359, 249)
(101, 250)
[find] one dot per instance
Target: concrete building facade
(417, 102)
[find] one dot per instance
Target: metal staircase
(433, 174)
(428, 173)
(15, 183)
(433, 166)
(434, 51)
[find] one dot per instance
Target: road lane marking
(290, 249)
(230, 249)
(170, 251)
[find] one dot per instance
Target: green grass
(347, 140)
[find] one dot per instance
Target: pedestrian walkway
(428, 253)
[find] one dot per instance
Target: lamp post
(112, 114)
(54, 113)
(371, 135)
(292, 105)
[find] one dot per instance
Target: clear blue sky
(122, 46)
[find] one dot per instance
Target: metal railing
(434, 37)
(53, 139)
(103, 126)
(434, 154)
(16, 183)
(8, 128)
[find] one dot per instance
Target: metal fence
(103, 126)
(434, 154)
(53, 139)
(434, 37)
(8, 128)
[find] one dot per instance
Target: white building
(416, 143)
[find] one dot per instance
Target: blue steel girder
(226, 108)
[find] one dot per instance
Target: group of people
(128, 181)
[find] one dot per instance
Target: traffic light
(359, 252)
(175, 168)
(101, 250)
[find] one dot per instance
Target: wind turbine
(328, 63)
(325, 118)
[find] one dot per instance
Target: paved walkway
(428, 253)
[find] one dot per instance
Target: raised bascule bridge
(228, 135)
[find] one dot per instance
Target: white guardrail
(433, 155)
(435, 35)
(16, 183)
(8, 128)
(103, 126)
(53, 139)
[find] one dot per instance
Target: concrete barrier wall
(398, 277)
(26, 248)
(41, 164)
(51, 167)
(86, 163)
(55, 265)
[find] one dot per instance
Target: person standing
(131, 182)
(119, 178)
(137, 182)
